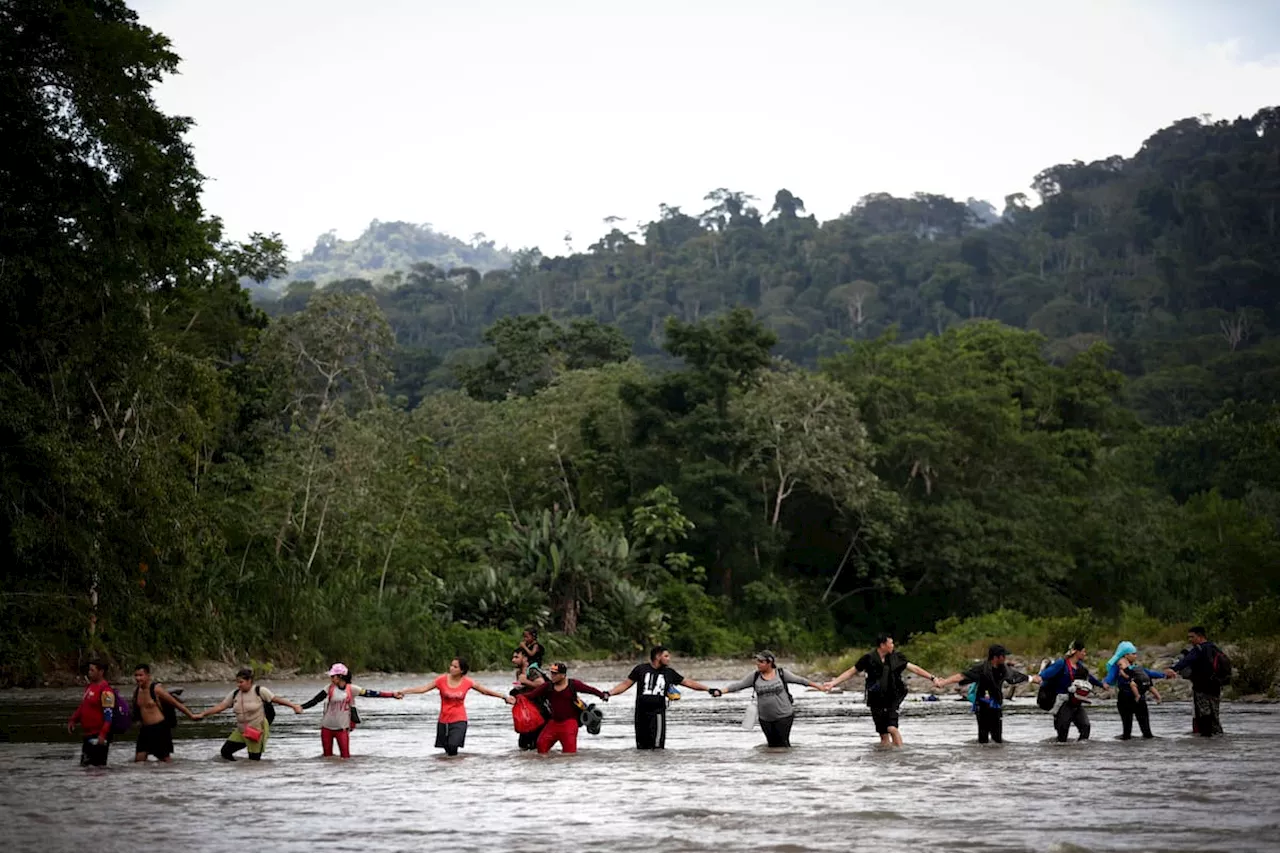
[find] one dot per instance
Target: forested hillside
(383, 253)
(731, 430)
(1169, 257)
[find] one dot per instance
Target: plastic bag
(525, 715)
(749, 718)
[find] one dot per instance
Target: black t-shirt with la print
(652, 684)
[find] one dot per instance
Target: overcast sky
(527, 119)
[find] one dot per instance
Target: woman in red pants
(561, 693)
(340, 717)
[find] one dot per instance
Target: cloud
(529, 120)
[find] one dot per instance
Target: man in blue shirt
(1062, 676)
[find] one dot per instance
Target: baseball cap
(338, 669)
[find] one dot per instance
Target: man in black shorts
(155, 736)
(885, 688)
(653, 680)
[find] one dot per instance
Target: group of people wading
(559, 709)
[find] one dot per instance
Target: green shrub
(1259, 619)
(955, 642)
(1255, 666)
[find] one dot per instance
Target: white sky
(525, 119)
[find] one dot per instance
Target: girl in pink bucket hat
(340, 715)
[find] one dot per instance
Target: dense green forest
(732, 429)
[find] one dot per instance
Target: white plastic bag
(749, 718)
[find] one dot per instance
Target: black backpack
(170, 713)
(1046, 696)
(268, 709)
(1140, 678)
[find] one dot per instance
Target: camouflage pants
(1205, 720)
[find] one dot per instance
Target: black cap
(765, 655)
(996, 651)
(559, 668)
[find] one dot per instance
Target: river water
(715, 787)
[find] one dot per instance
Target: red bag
(525, 715)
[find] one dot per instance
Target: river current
(715, 787)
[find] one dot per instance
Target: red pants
(328, 736)
(565, 731)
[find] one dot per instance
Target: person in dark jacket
(1132, 683)
(1062, 675)
(990, 678)
(1200, 663)
(885, 688)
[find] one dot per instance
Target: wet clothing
(529, 740)
(773, 702)
(93, 751)
(453, 707)
(652, 684)
(341, 736)
(1131, 709)
(563, 731)
(1205, 720)
(1206, 689)
(451, 737)
(990, 724)
(778, 732)
(885, 687)
(1124, 678)
(96, 707)
(563, 705)
(988, 699)
(155, 739)
(884, 718)
(1072, 713)
(248, 706)
(1059, 675)
(237, 741)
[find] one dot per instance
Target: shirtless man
(155, 736)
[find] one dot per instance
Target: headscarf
(1125, 648)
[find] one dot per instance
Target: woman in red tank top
(451, 728)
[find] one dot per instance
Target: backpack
(170, 713)
(1046, 696)
(1221, 665)
(268, 709)
(121, 714)
(785, 689)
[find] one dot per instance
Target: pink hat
(338, 669)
